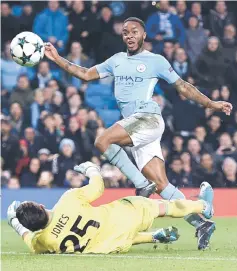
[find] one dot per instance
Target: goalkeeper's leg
(183, 207)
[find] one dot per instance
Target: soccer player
(136, 73)
(73, 225)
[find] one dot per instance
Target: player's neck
(135, 52)
(50, 216)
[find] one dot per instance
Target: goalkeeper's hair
(32, 215)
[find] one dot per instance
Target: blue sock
(118, 157)
(171, 193)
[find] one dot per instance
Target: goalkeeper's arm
(16, 225)
(75, 70)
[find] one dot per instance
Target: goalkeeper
(75, 226)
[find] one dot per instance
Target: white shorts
(145, 130)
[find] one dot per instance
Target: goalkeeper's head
(32, 215)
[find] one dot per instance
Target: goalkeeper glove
(12, 219)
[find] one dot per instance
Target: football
(27, 49)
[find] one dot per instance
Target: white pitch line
(164, 257)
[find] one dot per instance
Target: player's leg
(164, 235)
(109, 144)
(150, 161)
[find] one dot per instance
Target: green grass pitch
(181, 256)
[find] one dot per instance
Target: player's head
(133, 34)
(32, 215)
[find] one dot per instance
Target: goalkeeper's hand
(11, 211)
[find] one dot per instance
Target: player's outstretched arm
(192, 93)
(75, 70)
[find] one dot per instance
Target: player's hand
(11, 211)
(221, 106)
(51, 52)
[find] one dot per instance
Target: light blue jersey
(135, 78)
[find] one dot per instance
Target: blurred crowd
(47, 125)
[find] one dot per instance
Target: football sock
(183, 207)
(118, 157)
(171, 193)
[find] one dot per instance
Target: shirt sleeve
(90, 192)
(165, 71)
(105, 69)
(31, 240)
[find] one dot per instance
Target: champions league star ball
(27, 49)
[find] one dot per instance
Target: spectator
(9, 146)
(43, 76)
(74, 180)
(182, 66)
(229, 42)
(18, 119)
(37, 107)
(81, 140)
(77, 181)
(48, 94)
(74, 104)
(57, 102)
(111, 43)
(187, 163)
(9, 24)
(45, 179)
(13, 183)
(210, 65)
(45, 161)
(219, 18)
(163, 25)
(30, 177)
(59, 124)
(70, 90)
(81, 26)
(87, 126)
(10, 70)
(214, 129)
(106, 21)
(196, 10)
(200, 134)
(231, 78)
(51, 137)
(51, 25)
(64, 162)
(192, 117)
(35, 142)
(77, 56)
(225, 93)
(235, 139)
(207, 171)
(229, 168)
(183, 13)
(23, 93)
(176, 175)
(168, 51)
(24, 160)
(196, 39)
(226, 147)
(27, 17)
(178, 143)
(194, 149)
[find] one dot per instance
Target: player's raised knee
(101, 143)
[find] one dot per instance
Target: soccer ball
(27, 49)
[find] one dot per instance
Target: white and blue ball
(27, 49)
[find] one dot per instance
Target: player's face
(133, 35)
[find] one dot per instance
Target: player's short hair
(32, 216)
(135, 19)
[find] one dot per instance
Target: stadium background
(49, 120)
